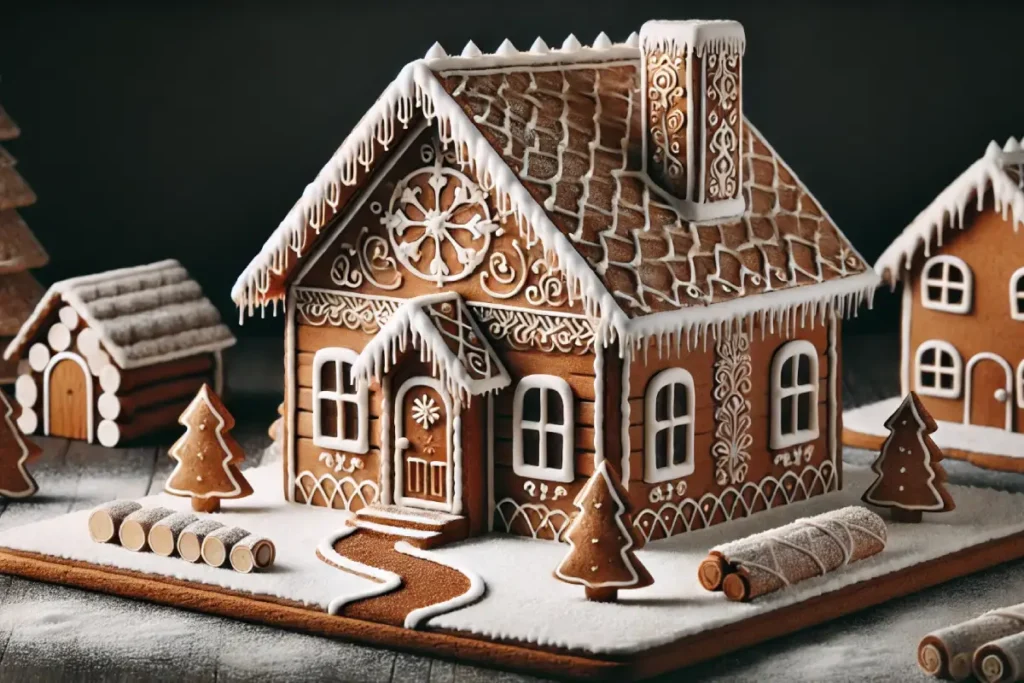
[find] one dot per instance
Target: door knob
(1000, 395)
(402, 443)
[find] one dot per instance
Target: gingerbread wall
(991, 249)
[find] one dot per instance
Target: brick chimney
(691, 84)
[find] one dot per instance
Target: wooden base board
(999, 463)
(515, 655)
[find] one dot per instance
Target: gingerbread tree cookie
(910, 479)
(208, 457)
(15, 452)
(602, 540)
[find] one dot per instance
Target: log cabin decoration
(117, 355)
(521, 265)
(20, 251)
(962, 316)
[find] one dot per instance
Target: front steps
(422, 528)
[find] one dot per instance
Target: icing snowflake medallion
(425, 411)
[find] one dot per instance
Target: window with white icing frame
(1017, 294)
(339, 402)
(794, 409)
(939, 370)
(668, 426)
(542, 426)
(947, 284)
(1020, 385)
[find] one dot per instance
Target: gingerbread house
(116, 355)
(962, 310)
(522, 264)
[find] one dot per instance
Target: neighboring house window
(1020, 385)
(668, 426)
(339, 402)
(542, 424)
(947, 285)
(939, 370)
(794, 418)
(1017, 295)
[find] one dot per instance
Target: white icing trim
(1008, 387)
(943, 350)
(1017, 294)
(204, 397)
(317, 486)
(544, 383)
(386, 581)
(22, 458)
(89, 405)
(626, 410)
(947, 263)
(800, 348)
(339, 357)
(453, 454)
(490, 463)
(288, 445)
(386, 446)
(528, 512)
(653, 426)
(599, 406)
(906, 313)
(477, 587)
(1020, 384)
(833, 389)
(694, 36)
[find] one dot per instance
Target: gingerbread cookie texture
(15, 453)
(911, 479)
(602, 541)
(957, 651)
(208, 456)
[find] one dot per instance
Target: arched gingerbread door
(423, 445)
(69, 399)
(988, 400)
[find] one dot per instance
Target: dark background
(189, 131)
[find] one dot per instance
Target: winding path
(411, 585)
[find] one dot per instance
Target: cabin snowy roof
(999, 171)
(556, 136)
(443, 329)
(144, 315)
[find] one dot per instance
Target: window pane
(679, 444)
(328, 417)
(554, 450)
(935, 271)
(955, 274)
(928, 379)
(786, 415)
(934, 293)
(661, 448)
(946, 380)
(1020, 298)
(348, 385)
(803, 377)
(531, 447)
(787, 373)
(328, 380)
(350, 425)
(804, 408)
(928, 357)
(681, 405)
(661, 404)
(556, 412)
(1020, 285)
(531, 405)
(955, 296)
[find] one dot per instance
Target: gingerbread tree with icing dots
(208, 456)
(602, 540)
(15, 452)
(910, 479)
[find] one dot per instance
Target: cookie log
(163, 537)
(950, 652)
(105, 521)
(251, 553)
(134, 533)
(190, 541)
(218, 545)
(1001, 660)
(771, 560)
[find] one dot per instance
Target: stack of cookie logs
(990, 646)
(165, 532)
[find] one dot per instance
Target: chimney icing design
(691, 84)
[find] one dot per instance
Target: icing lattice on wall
(321, 308)
(345, 490)
(536, 518)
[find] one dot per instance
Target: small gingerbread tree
(601, 541)
(15, 452)
(910, 479)
(208, 457)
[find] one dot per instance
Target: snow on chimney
(691, 84)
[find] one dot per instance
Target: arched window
(939, 370)
(542, 426)
(668, 426)
(794, 417)
(1017, 294)
(947, 284)
(1020, 385)
(339, 402)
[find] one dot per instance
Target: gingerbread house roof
(19, 248)
(555, 135)
(8, 128)
(999, 173)
(144, 315)
(447, 336)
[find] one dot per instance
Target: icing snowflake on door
(439, 222)
(425, 411)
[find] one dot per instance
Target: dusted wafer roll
(806, 548)
(950, 652)
(105, 521)
(252, 552)
(163, 537)
(218, 545)
(1001, 660)
(135, 528)
(190, 541)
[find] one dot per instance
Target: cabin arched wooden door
(68, 387)
(423, 445)
(988, 399)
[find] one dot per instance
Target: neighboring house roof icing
(145, 315)
(1000, 171)
(442, 328)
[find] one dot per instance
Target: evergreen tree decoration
(208, 456)
(602, 540)
(15, 452)
(910, 479)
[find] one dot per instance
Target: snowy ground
(870, 419)
(523, 601)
